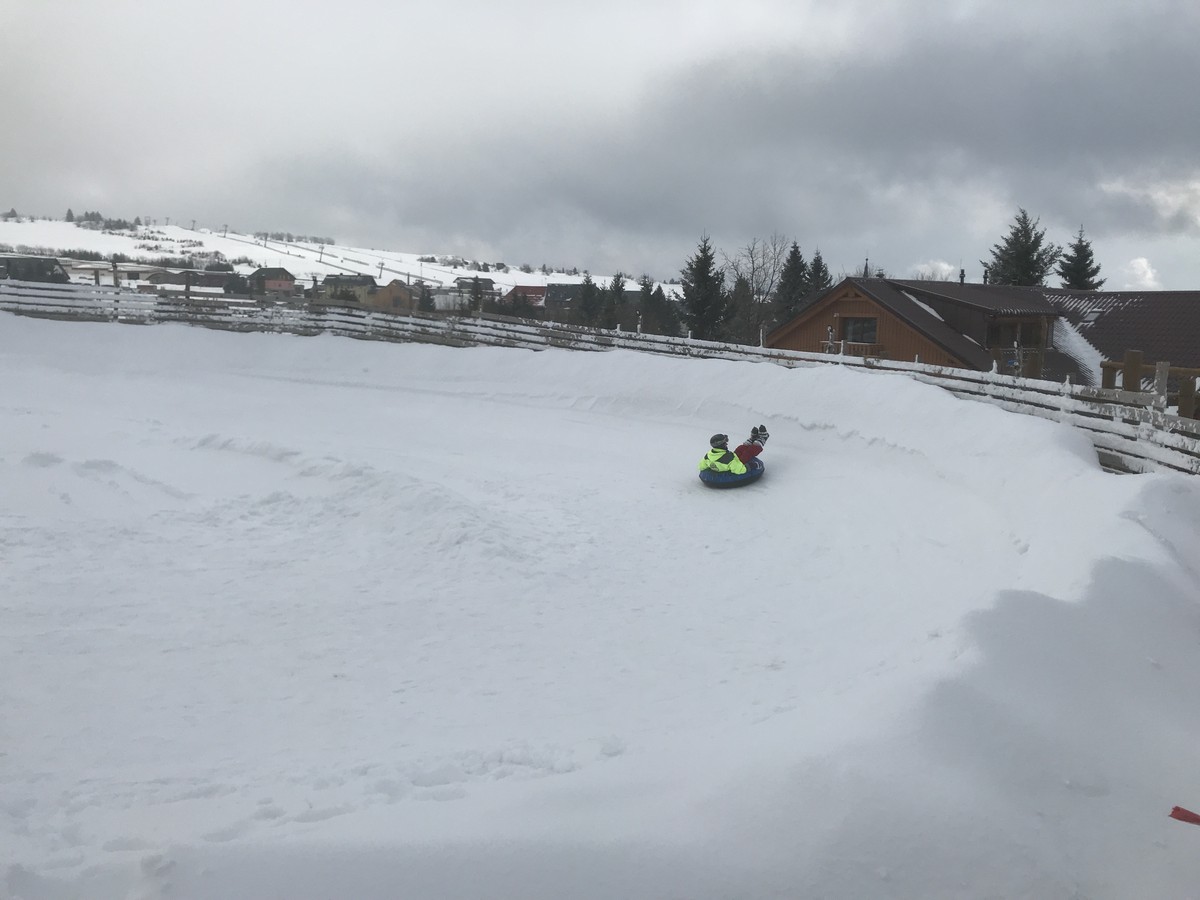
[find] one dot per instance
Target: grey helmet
(720, 441)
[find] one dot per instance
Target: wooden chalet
(1037, 332)
(972, 326)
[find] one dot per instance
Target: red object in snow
(1185, 815)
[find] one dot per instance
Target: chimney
(962, 276)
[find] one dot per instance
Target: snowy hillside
(310, 617)
(304, 260)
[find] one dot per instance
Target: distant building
(272, 281)
(395, 296)
(532, 294)
(193, 277)
(32, 268)
(348, 289)
(561, 298)
(467, 283)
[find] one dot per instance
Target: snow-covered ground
(309, 618)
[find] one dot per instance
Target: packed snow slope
(309, 618)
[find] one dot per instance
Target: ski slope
(305, 261)
(310, 617)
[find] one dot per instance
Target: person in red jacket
(721, 459)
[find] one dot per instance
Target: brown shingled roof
(1165, 325)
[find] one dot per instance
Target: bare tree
(759, 265)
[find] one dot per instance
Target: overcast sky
(613, 135)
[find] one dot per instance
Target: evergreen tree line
(93, 219)
(762, 286)
(766, 283)
(618, 304)
(293, 238)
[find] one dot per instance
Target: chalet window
(1006, 334)
(858, 331)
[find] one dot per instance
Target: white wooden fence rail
(1131, 431)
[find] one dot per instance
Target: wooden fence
(1134, 370)
(1132, 431)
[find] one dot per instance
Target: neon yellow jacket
(723, 461)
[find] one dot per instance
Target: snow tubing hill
(754, 471)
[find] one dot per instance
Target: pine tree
(476, 298)
(425, 303)
(614, 303)
(793, 286)
(70, 215)
(591, 302)
(1077, 268)
(743, 326)
(658, 314)
(706, 306)
(1023, 258)
(819, 278)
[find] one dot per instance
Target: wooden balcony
(852, 348)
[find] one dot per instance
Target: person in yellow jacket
(721, 459)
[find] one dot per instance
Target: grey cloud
(918, 141)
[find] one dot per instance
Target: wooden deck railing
(1134, 370)
(852, 348)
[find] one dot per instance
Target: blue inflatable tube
(754, 471)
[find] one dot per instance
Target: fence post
(1187, 397)
(1108, 377)
(1162, 372)
(1131, 375)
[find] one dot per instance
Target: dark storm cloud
(833, 152)
(905, 131)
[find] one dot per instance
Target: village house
(271, 281)
(190, 277)
(395, 296)
(525, 294)
(466, 283)
(355, 289)
(561, 298)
